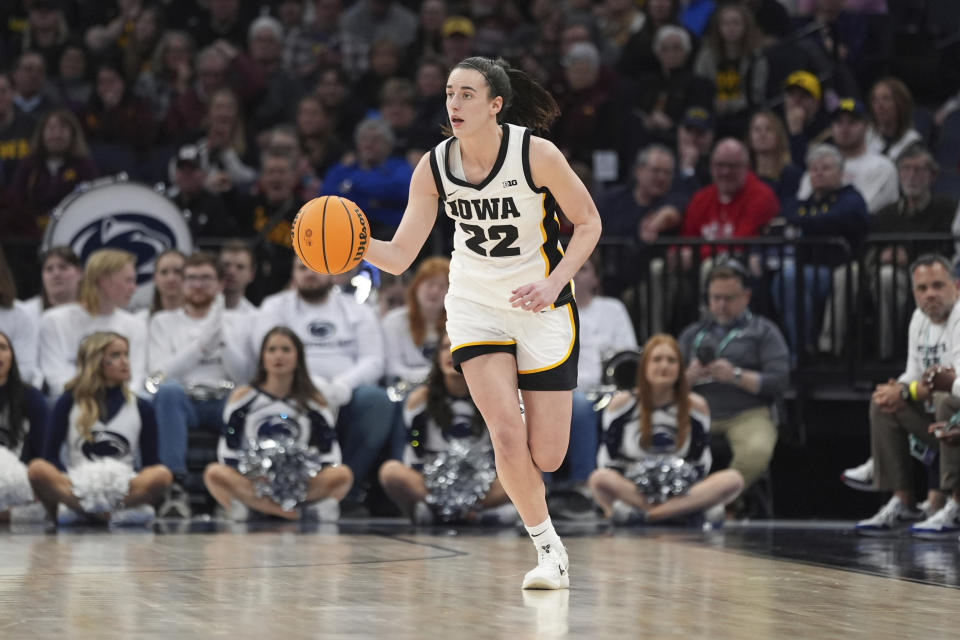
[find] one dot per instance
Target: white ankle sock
(543, 533)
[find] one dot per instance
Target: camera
(706, 353)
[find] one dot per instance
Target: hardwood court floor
(387, 580)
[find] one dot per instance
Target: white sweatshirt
(873, 175)
(605, 329)
(342, 339)
(930, 344)
(22, 330)
(63, 328)
(201, 351)
(405, 360)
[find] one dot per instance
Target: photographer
(739, 364)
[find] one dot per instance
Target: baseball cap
(697, 118)
(189, 154)
(806, 81)
(457, 25)
(850, 105)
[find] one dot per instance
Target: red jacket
(743, 217)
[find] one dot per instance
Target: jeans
(367, 425)
(816, 287)
(176, 413)
(584, 439)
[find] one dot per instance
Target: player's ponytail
(525, 102)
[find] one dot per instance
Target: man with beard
(344, 352)
(902, 410)
(196, 355)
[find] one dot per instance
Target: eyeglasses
(195, 279)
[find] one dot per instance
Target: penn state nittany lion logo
(321, 329)
(279, 426)
(144, 236)
(105, 444)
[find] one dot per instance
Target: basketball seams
(346, 210)
(323, 235)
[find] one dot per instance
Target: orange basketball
(330, 234)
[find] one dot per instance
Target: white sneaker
(326, 510)
(552, 570)
(423, 515)
(715, 516)
(627, 514)
(133, 517)
(859, 477)
(943, 523)
(239, 512)
(893, 516)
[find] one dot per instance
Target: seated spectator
(918, 210)
(225, 21)
(430, 104)
(283, 139)
(281, 392)
(16, 129)
(902, 410)
(169, 74)
(198, 354)
(740, 364)
(637, 57)
(385, 58)
(269, 214)
(891, 111)
(45, 33)
(73, 83)
(318, 140)
(310, 47)
(458, 41)
(60, 274)
(770, 156)
(660, 417)
(946, 521)
(32, 94)
(646, 208)
(427, 42)
(58, 162)
(434, 415)
(732, 60)
(807, 121)
(833, 210)
(239, 268)
(344, 350)
(333, 89)
(377, 182)
(694, 144)
(109, 280)
(279, 100)
(672, 88)
(23, 411)
(874, 175)
(117, 26)
(412, 332)
(98, 407)
(167, 282)
(17, 324)
(218, 66)
(591, 117)
(137, 53)
(114, 115)
(370, 20)
(397, 110)
(204, 211)
(226, 144)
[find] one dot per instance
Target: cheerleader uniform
(258, 415)
(426, 438)
(35, 414)
(620, 447)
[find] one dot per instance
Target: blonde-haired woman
(661, 417)
(98, 418)
(770, 155)
(109, 281)
(413, 331)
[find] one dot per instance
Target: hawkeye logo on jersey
(483, 209)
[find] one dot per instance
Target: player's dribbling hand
(536, 296)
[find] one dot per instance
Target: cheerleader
(23, 415)
(434, 415)
(281, 401)
(659, 418)
(98, 431)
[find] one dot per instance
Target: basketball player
(511, 315)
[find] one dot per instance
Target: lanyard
(727, 339)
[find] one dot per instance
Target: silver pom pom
(280, 469)
(458, 479)
(101, 485)
(14, 486)
(663, 477)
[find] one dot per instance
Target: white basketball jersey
(507, 231)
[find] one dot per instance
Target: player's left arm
(550, 169)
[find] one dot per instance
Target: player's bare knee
(509, 442)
